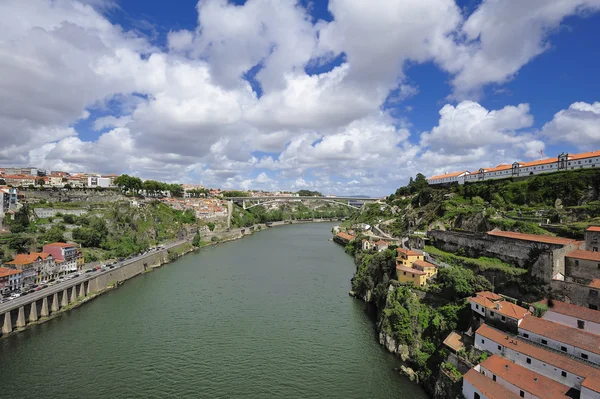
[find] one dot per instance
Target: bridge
(351, 202)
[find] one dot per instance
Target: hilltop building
(412, 268)
(68, 258)
(488, 307)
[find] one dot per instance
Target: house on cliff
(490, 308)
(343, 238)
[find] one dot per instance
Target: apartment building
(573, 316)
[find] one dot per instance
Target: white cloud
(578, 125)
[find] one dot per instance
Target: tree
(211, 226)
(19, 243)
(235, 193)
(21, 221)
(70, 219)
(197, 240)
(68, 186)
(457, 282)
(54, 234)
(308, 193)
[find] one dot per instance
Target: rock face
(401, 351)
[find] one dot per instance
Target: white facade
(98, 182)
(510, 352)
(571, 321)
(468, 391)
(561, 346)
(449, 178)
(14, 281)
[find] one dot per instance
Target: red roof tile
(584, 255)
(525, 379)
(488, 387)
(559, 332)
(423, 264)
(489, 295)
(60, 244)
(591, 374)
(408, 252)
(595, 283)
(503, 307)
(593, 228)
(446, 175)
(410, 270)
(584, 155)
(579, 312)
(531, 237)
(5, 271)
(346, 236)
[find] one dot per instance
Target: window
(594, 293)
(563, 348)
(492, 314)
(544, 342)
(404, 273)
(483, 341)
(528, 360)
(494, 377)
(499, 347)
(580, 324)
(525, 335)
(522, 394)
(576, 262)
(503, 318)
(563, 373)
(593, 307)
(476, 396)
(584, 356)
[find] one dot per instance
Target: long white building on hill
(519, 169)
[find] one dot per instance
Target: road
(58, 287)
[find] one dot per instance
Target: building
(488, 307)
(592, 238)
(580, 264)
(519, 380)
(10, 280)
(428, 268)
(559, 367)
(343, 238)
(8, 200)
(573, 316)
(53, 181)
(416, 277)
(68, 258)
(378, 246)
(95, 181)
(406, 257)
(455, 177)
(572, 341)
(20, 180)
(478, 386)
(521, 169)
(36, 267)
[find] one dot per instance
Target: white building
(573, 341)
(518, 380)
(559, 367)
(574, 316)
(519, 169)
(95, 181)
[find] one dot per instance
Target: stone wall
(544, 260)
(578, 294)
(75, 195)
(582, 269)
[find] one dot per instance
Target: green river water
(268, 316)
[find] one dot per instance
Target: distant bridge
(351, 202)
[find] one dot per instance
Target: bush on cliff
(456, 282)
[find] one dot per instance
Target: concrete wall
(545, 260)
(583, 269)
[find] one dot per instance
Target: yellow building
(407, 257)
(429, 268)
(409, 275)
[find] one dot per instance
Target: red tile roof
(423, 264)
(60, 244)
(489, 295)
(595, 283)
(26, 259)
(531, 237)
(488, 387)
(345, 236)
(525, 379)
(584, 255)
(593, 228)
(5, 271)
(410, 270)
(408, 252)
(503, 307)
(579, 312)
(446, 175)
(454, 341)
(583, 155)
(566, 363)
(540, 162)
(559, 332)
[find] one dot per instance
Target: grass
(482, 263)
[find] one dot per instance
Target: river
(268, 316)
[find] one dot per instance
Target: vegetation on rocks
(286, 211)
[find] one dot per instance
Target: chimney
(498, 306)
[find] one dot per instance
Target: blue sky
(347, 97)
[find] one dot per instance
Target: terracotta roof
(579, 312)
(584, 255)
(595, 283)
(408, 252)
(503, 307)
(497, 168)
(5, 271)
(410, 270)
(26, 259)
(488, 387)
(489, 295)
(423, 264)
(559, 332)
(346, 236)
(525, 379)
(566, 363)
(593, 228)
(446, 175)
(60, 244)
(531, 237)
(454, 341)
(584, 155)
(540, 162)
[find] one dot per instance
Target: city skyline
(348, 97)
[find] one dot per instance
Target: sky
(347, 97)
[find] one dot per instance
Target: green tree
(54, 234)
(458, 282)
(211, 226)
(21, 220)
(197, 240)
(70, 219)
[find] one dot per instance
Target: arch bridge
(351, 202)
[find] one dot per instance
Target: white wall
(589, 394)
(469, 390)
(570, 321)
(554, 344)
(475, 307)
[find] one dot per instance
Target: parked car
(44, 282)
(38, 288)
(111, 266)
(34, 286)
